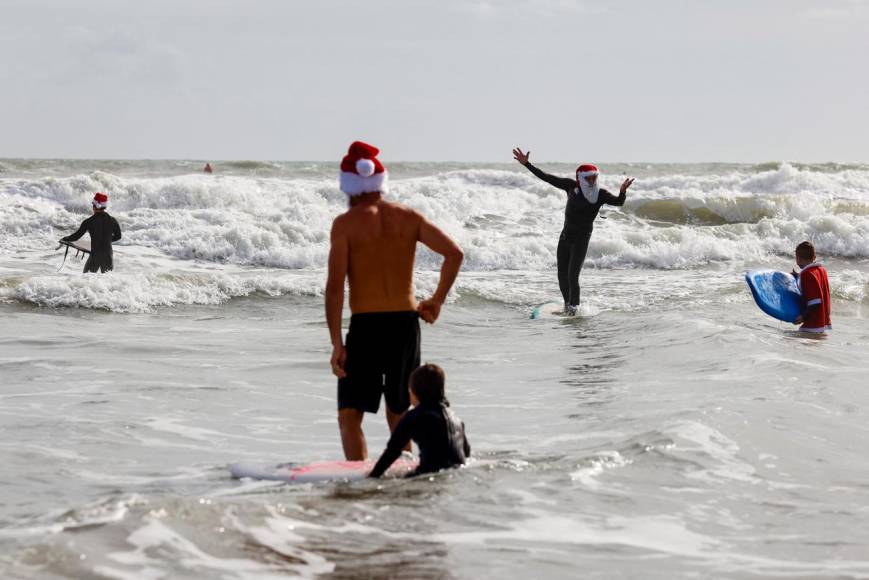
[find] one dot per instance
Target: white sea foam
(142, 292)
(93, 514)
(156, 536)
(588, 472)
(850, 285)
(712, 445)
(504, 219)
(662, 534)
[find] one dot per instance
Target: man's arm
(338, 260)
(78, 234)
(116, 230)
(439, 242)
(397, 442)
(563, 183)
(466, 447)
(610, 199)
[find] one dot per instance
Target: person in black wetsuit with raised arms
(584, 200)
(104, 230)
(438, 433)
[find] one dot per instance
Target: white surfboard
(78, 245)
(82, 248)
(548, 310)
(320, 472)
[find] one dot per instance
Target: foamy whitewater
(673, 430)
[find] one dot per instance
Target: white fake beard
(590, 192)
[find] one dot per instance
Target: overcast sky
(463, 80)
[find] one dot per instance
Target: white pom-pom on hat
(365, 167)
(361, 171)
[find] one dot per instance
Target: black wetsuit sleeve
(81, 231)
(399, 439)
(610, 199)
(563, 183)
(116, 230)
(466, 446)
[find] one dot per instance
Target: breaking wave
(677, 217)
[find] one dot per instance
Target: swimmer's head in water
(427, 384)
(101, 201)
(361, 171)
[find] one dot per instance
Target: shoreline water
(672, 423)
(651, 434)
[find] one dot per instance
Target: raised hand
(521, 157)
(627, 183)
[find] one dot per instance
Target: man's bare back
(381, 238)
(379, 262)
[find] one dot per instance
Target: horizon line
(337, 161)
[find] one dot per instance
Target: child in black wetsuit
(438, 433)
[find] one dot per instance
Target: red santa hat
(361, 171)
(586, 170)
(101, 200)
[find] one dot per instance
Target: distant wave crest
(504, 219)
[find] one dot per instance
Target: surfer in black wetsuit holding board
(104, 230)
(584, 200)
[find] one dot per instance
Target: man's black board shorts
(383, 348)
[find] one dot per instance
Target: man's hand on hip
(429, 310)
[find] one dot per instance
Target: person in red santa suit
(814, 290)
(584, 200)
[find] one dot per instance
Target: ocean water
(672, 430)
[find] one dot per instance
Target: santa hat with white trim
(361, 171)
(101, 200)
(586, 170)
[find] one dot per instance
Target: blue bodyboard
(776, 293)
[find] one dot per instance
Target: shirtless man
(374, 245)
